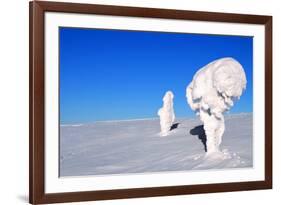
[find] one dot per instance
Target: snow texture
(134, 146)
(166, 113)
(213, 90)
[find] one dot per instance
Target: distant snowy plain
(135, 146)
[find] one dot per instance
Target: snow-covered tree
(166, 113)
(212, 92)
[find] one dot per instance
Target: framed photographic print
(138, 102)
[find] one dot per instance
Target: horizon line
(137, 119)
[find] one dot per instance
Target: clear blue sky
(112, 74)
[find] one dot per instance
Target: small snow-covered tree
(166, 113)
(212, 92)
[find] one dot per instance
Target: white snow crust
(122, 147)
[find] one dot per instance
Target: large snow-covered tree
(212, 92)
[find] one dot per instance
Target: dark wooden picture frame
(37, 193)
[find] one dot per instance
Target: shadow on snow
(200, 132)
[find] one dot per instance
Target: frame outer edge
(131, 11)
(268, 101)
(31, 189)
(36, 103)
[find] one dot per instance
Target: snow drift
(166, 113)
(212, 91)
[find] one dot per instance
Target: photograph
(140, 102)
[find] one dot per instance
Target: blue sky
(117, 75)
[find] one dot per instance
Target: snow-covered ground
(135, 146)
